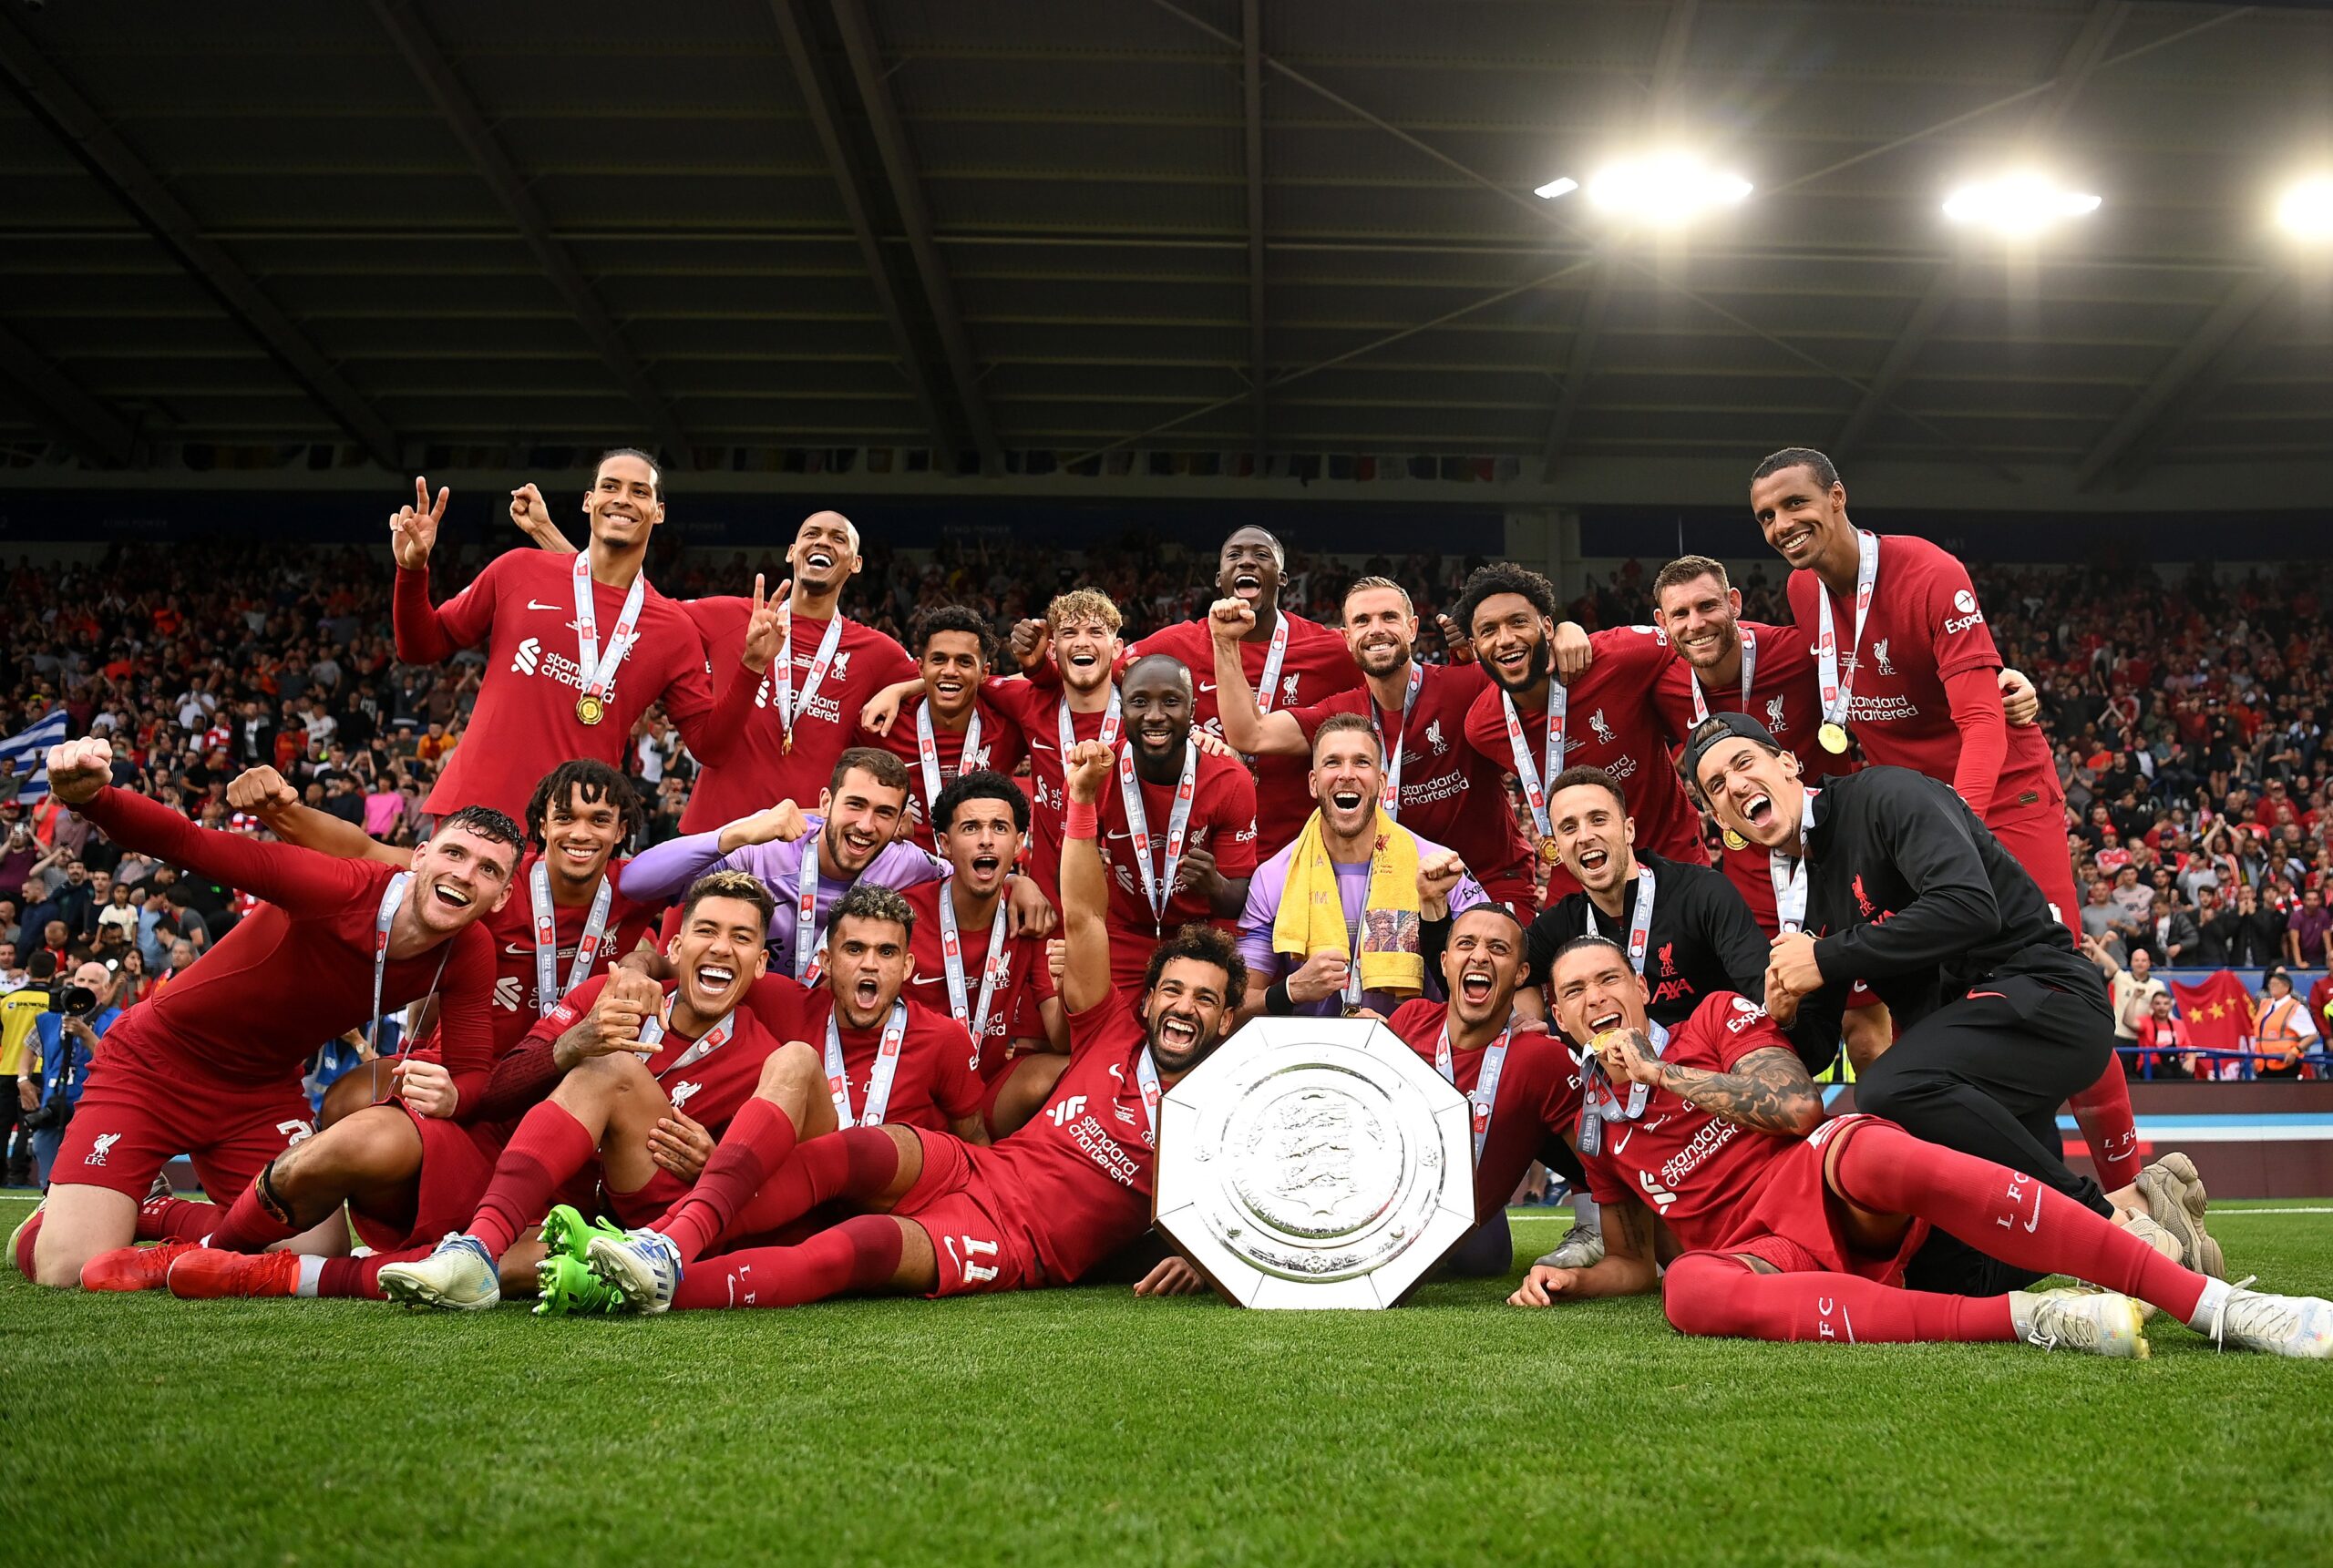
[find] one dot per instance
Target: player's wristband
(1084, 820)
(1278, 1003)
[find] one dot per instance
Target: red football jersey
(1223, 822)
(513, 928)
(937, 1080)
(759, 772)
(713, 1088)
(1451, 792)
(1536, 1106)
(1075, 1181)
(1784, 698)
(294, 972)
(522, 608)
(1026, 984)
(1699, 1173)
(1611, 722)
(1001, 750)
(1925, 627)
(1037, 710)
(1316, 664)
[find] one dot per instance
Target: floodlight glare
(2307, 209)
(1665, 189)
(2017, 204)
(1563, 186)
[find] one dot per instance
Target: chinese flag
(2218, 1010)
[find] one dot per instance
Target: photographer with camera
(66, 1037)
(20, 1014)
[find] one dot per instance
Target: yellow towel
(1311, 917)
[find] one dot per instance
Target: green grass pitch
(1082, 1425)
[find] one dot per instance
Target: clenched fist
(78, 769)
(262, 791)
(1088, 767)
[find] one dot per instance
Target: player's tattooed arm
(1767, 1091)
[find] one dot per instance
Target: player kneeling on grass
(1041, 1207)
(1797, 1228)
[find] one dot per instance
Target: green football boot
(570, 1290)
(569, 1234)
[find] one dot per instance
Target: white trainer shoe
(459, 1276)
(2104, 1324)
(1582, 1248)
(2297, 1327)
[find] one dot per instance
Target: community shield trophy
(1314, 1163)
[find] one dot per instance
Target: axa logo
(682, 1094)
(529, 654)
(1603, 730)
(106, 1141)
(1863, 899)
(1670, 990)
(1068, 1111)
(1879, 657)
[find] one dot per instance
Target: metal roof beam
(1251, 92)
(915, 217)
(462, 115)
(2236, 326)
(89, 425)
(85, 130)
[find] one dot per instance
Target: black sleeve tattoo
(1767, 1091)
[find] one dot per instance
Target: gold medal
(590, 709)
(1547, 850)
(789, 747)
(1735, 841)
(1834, 737)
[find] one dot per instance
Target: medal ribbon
(1534, 790)
(1749, 669)
(599, 669)
(1790, 876)
(1640, 920)
(1838, 692)
(926, 746)
(1159, 890)
(1485, 1097)
(1599, 1104)
(788, 708)
(392, 897)
(1268, 687)
(548, 990)
(651, 1031)
(1146, 1073)
(1069, 729)
(1390, 797)
(807, 967)
(887, 1068)
(951, 955)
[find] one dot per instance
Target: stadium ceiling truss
(1024, 236)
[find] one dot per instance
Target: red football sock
(860, 1254)
(2102, 1112)
(1714, 1293)
(2007, 1214)
(247, 1226)
(177, 1219)
(857, 1162)
(548, 1147)
(756, 1142)
(25, 1240)
(361, 1276)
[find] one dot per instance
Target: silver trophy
(1315, 1162)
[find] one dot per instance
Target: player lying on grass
(719, 1039)
(211, 1066)
(1798, 1228)
(944, 1217)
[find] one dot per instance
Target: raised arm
(532, 518)
(1084, 889)
(298, 880)
(426, 634)
(1246, 725)
(663, 872)
(266, 795)
(733, 710)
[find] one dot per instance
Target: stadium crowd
(438, 758)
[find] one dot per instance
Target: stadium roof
(1021, 234)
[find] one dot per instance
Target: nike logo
(1037, 745)
(1206, 686)
(2036, 1220)
(929, 980)
(1621, 1142)
(1974, 995)
(538, 604)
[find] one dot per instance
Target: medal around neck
(1315, 1162)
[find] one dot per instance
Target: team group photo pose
(878, 782)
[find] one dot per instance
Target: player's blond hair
(1084, 604)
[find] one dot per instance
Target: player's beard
(1383, 658)
(1176, 1056)
(1534, 670)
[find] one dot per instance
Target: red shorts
(977, 1254)
(1799, 1225)
(141, 1111)
(457, 1162)
(647, 1205)
(2035, 837)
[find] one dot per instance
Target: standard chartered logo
(529, 654)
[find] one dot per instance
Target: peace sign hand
(413, 531)
(764, 631)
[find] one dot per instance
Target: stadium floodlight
(1665, 188)
(2020, 204)
(1563, 185)
(2306, 209)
